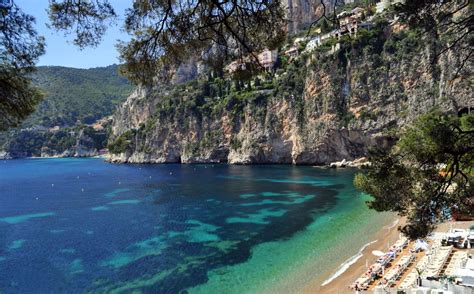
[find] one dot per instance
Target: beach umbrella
(420, 244)
(378, 253)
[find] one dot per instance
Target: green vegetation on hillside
(428, 175)
(73, 95)
(73, 98)
(27, 143)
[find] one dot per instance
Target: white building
(313, 44)
(267, 58)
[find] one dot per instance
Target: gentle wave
(395, 222)
(346, 264)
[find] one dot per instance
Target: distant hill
(73, 94)
(73, 99)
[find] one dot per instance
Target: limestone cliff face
(324, 108)
(301, 13)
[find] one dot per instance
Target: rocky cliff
(301, 13)
(322, 107)
(69, 142)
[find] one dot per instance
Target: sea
(85, 225)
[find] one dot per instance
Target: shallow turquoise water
(76, 225)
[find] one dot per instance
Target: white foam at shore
(346, 264)
(395, 222)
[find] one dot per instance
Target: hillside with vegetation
(74, 100)
(75, 95)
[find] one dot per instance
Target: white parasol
(378, 253)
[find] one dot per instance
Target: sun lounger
(363, 282)
(438, 260)
(410, 280)
(458, 260)
(394, 273)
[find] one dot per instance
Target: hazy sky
(61, 51)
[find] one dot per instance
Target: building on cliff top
(267, 58)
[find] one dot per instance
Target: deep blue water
(77, 225)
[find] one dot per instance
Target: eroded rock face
(301, 13)
(349, 103)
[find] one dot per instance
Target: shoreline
(106, 158)
(347, 272)
(53, 157)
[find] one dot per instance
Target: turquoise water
(77, 225)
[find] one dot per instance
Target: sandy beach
(387, 234)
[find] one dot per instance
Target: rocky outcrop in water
(319, 109)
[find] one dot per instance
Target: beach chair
(409, 281)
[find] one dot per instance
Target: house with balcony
(313, 44)
(267, 58)
(350, 22)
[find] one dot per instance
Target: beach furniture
(362, 282)
(470, 239)
(378, 267)
(399, 245)
(368, 277)
(437, 261)
(410, 280)
(420, 245)
(456, 237)
(458, 260)
(394, 273)
(386, 259)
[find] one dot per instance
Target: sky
(60, 50)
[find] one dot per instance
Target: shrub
(122, 143)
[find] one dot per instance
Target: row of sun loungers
(410, 280)
(394, 273)
(377, 268)
(423, 263)
(368, 277)
(437, 261)
(458, 260)
(429, 266)
(399, 245)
